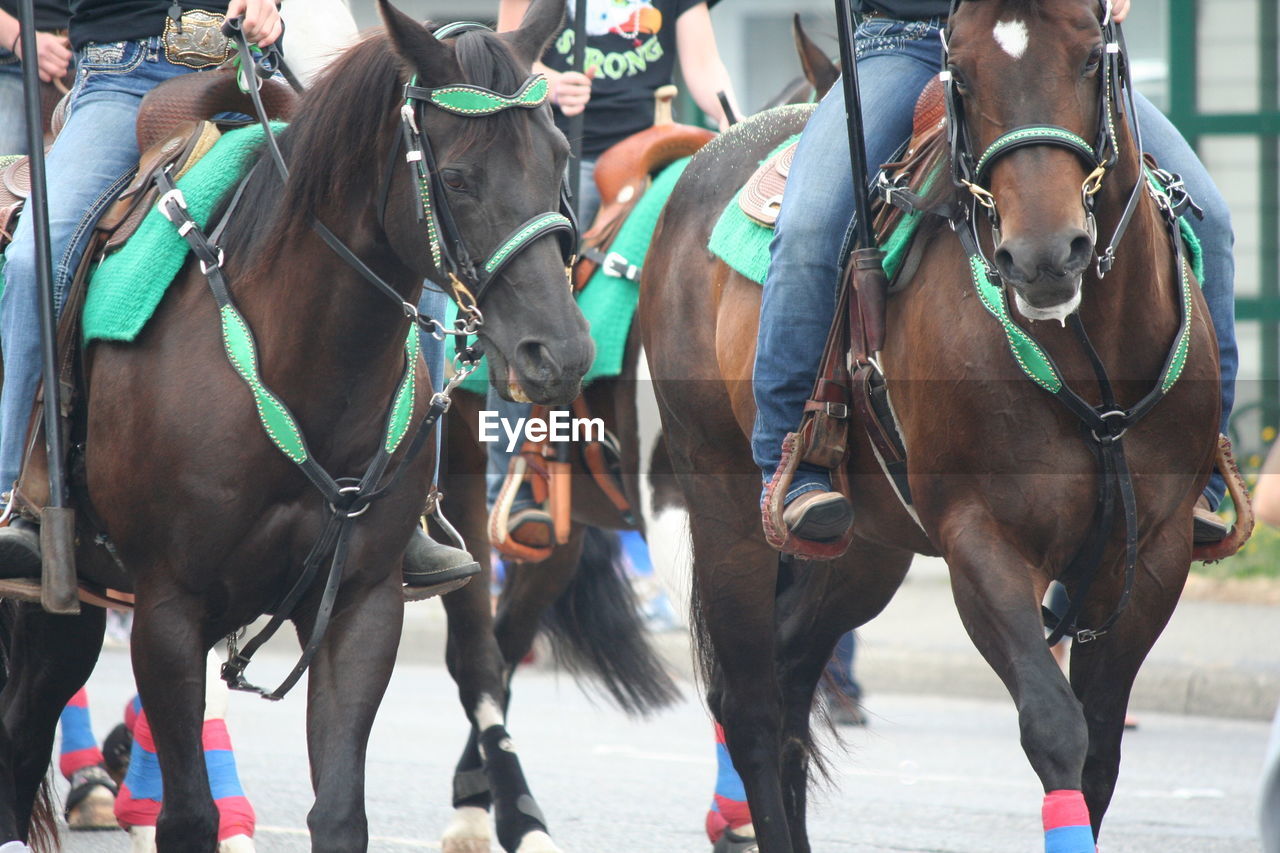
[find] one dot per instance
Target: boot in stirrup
(431, 568)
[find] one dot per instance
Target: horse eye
(453, 179)
(958, 81)
(1095, 60)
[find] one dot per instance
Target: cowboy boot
(20, 549)
(1209, 528)
(818, 516)
(431, 568)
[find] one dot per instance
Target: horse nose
(541, 361)
(1022, 260)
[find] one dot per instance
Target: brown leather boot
(818, 516)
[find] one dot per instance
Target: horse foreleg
(169, 665)
(475, 662)
(1103, 671)
(50, 658)
(999, 604)
(346, 682)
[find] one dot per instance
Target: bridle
(468, 281)
(970, 172)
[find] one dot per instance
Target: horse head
(488, 196)
(1028, 90)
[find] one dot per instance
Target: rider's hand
(1119, 10)
(53, 56)
(570, 91)
(262, 24)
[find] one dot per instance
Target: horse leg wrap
(516, 813)
(1066, 823)
(14, 847)
(471, 788)
(729, 809)
(79, 749)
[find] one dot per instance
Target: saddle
(622, 175)
(174, 131)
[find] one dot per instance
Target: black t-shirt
(632, 46)
(106, 21)
(50, 14)
(906, 10)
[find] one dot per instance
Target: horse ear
(820, 71)
(541, 23)
(421, 52)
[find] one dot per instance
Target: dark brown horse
(1003, 479)
(577, 596)
(212, 521)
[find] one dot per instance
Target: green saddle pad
(126, 287)
(609, 302)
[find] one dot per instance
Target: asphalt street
(930, 773)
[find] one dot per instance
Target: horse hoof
(96, 810)
(468, 832)
(237, 844)
(537, 842)
(742, 841)
(142, 839)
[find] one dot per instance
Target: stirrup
(776, 532)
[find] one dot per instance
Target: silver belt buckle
(196, 40)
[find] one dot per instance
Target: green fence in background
(1264, 125)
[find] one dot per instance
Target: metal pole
(58, 586)
(577, 123)
(853, 118)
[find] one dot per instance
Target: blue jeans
(94, 155)
(13, 124)
(895, 61)
(499, 458)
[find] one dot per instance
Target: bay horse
(577, 597)
(210, 522)
(1004, 479)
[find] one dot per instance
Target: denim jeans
(895, 61)
(13, 124)
(94, 155)
(511, 412)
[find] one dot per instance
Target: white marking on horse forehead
(1012, 37)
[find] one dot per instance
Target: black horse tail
(596, 631)
(42, 832)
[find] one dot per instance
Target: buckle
(196, 40)
(840, 411)
(174, 195)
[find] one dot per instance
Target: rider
(632, 46)
(899, 49)
(53, 59)
(122, 52)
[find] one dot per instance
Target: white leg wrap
(215, 689)
(237, 844)
(468, 832)
(537, 842)
(14, 847)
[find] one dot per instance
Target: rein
(1103, 426)
(348, 498)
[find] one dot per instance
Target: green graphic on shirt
(614, 64)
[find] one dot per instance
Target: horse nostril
(1081, 253)
(1005, 266)
(534, 359)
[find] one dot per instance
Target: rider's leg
(895, 62)
(1172, 152)
(91, 159)
(13, 134)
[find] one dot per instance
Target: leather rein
(1104, 425)
(347, 498)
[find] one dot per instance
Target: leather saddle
(623, 174)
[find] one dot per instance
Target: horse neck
(315, 316)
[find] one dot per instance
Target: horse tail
(596, 631)
(42, 832)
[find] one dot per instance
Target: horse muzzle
(543, 372)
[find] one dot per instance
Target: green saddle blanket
(126, 287)
(609, 302)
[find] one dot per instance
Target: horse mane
(344, 126)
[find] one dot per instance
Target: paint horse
(211, 522)
(1003, 476)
